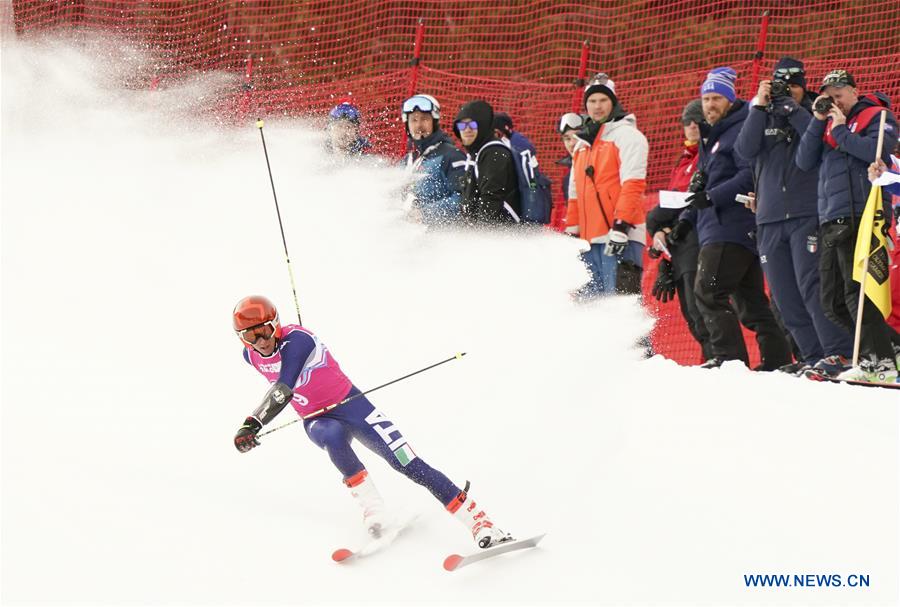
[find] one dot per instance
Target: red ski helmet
(254, 311)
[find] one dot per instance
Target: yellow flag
(872, 242)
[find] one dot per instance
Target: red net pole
(414, 71)
(247, 87)
(582, 74)
(760, 49)
(417, 56)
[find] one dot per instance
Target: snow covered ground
(130, 227)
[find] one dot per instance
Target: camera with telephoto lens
(698, 181)
(823, 105)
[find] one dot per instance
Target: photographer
(841, 142)
(728, 265)
(787, 217)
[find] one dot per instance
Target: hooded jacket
(440, 168)
(609, 169)
(770, 143)
(491, 188)
(843, 169)
(728, 174)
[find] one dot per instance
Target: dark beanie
(503, 122)
(600, 84)
(793, 69)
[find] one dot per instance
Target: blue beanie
(720, 80)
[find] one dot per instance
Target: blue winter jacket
(769, 143)
(728, 174)
(843, 170)
(441, 167)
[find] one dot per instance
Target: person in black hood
(787, 216)
(491, 190)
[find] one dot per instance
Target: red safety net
(523, 56)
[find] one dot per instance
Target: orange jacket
(619, 160)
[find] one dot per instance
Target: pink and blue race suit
(319, 385)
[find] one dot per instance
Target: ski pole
(287, 257)
(457, 356)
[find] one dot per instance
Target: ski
(852, 382)
(374, 545)
(457, 561)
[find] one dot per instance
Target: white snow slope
(130, 227)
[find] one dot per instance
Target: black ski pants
(727, 270)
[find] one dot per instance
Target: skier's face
(261, 338)
(421, 125)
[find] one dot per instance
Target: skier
(302, 372)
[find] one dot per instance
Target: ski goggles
(418, 103)
(570, 121)
(251, 334)
(471, 124)
(785, 73)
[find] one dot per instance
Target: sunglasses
(418, 104)
(251, 334)
(462, 126)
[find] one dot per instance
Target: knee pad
(327, 433)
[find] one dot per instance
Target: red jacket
(687, 164)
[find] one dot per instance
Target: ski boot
(877, 371)
(466, 511)
(366, 494)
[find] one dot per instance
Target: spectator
(491, 190)
(569, 125)
(343, 131)
(440, 167)
(841, 142)
(787, 218)
(678, 268)
(606, 206)
(728, 264)
(503, 129)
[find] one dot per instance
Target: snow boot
(366, 495)
(470, 514)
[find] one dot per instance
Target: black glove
(653, 253)
(698, 181)
(699, 200)
(617, 239)
(784, 106)
(678, 233)
(245, 439)
(664, 287)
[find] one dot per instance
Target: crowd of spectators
(765, 192)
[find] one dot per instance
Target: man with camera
(787, 217)
(728, 265)
(841, 142)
